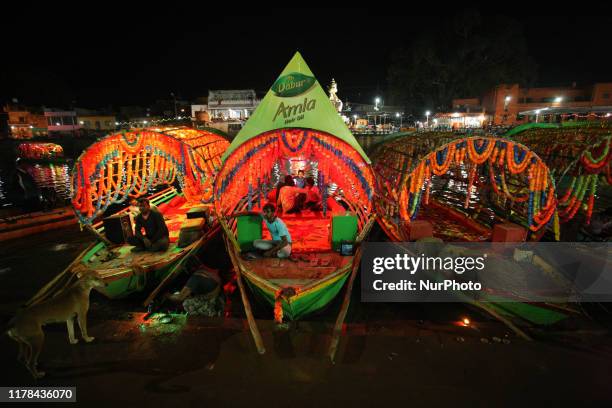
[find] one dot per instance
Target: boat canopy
(210, 144)
(294, 128)
(255, 166)
(131, 163)
(408, 168)
(296, 100)
(579, 157)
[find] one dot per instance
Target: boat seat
(248, 229)
(343, 228)
(191, 230)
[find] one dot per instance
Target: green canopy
(295, 100)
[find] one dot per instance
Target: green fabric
(310, 108)
(528, 126)
(249, 228)
(344, 228)
(390, 137)
(216, 131)
(306, 304)
(532, 313)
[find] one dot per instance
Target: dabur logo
(292, 84)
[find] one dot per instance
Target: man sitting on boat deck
(280, 244)
(156, 236)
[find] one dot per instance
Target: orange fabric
(313, 195)
(310, 231)
(287, 196)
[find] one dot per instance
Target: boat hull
(33, 223)
(304, 303)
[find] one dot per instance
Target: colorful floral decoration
(131, 163)
(248, 172)
(405, 167)
(581, 157)
(40, 151)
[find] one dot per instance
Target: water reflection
(51, 176)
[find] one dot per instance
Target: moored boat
(463, 187)
(296, 128)
(133, 164)
(23, 225)
(41, 152)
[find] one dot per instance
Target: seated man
(280, 245)
(200, 295)
(313, 196)
(205, 281)
(299, 179)
(156, 237)
(291, 199)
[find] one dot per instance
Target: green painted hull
(303, 304)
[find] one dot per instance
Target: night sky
(96, 65)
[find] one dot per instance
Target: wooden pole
(98, 235)
(245, 301)
(366, 229)
(502, 319)
(335, 340)
(173, 272)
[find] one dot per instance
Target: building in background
(376, 118)
(236, 104)
(226, 110)
(102, 123)
(466, 113)
(509, 105)
(25, 123)
(62, 122)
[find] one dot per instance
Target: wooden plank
(45, 291)
(245, 301)
(335, 340)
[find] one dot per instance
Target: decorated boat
(296, 128)
(464, 186)
(40, 152)
(468, 183)
(175, 171)
(579, 157)
(23, 225)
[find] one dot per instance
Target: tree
(462, 58)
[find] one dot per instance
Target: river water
(46, 175)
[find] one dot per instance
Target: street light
(427, 116)
(559, 99)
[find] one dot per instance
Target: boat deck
(312, 257)
(175, 213)
(449, 229)
(300, 270)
